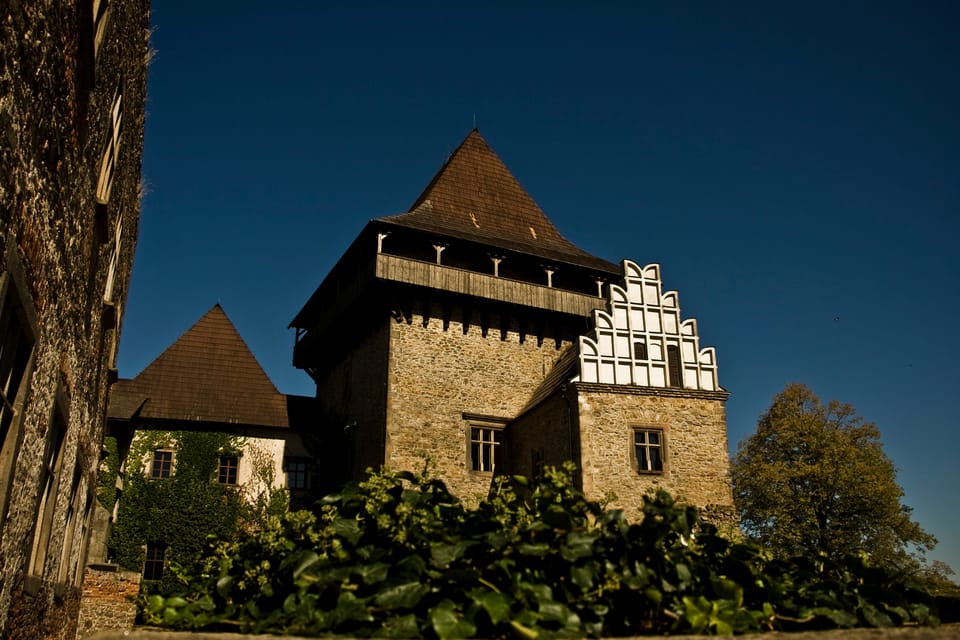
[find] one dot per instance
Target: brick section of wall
(438, 373)
(108, 601)
(697, 465)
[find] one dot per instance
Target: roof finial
(474, 121)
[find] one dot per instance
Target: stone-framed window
(50, 473)
(111, 152)
(648, 450)
(162, 464)
(227, 468)
(297, 473)
(485, 447)
(101, 14)
(154, 561)
(18, 336)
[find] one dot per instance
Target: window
(296, 471)
(16, 365)
(674, 365)
(153, 564)
(49, 481)
(162, 465)
(227, 473)
(100, 14)
(108, 296)
(111, 152)
(640, 350)
(648, 450)
(484, 447)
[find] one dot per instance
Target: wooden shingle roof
(208, 375)
(474, 196)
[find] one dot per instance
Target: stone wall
(354, 392)
(108, 600)
(696, 463)
(439, 372)
(542, 436)
(64, 108)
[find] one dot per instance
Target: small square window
(162, 465)
(648, 450)
(227, 474)
(296, 471)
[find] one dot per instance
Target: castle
(470, 331)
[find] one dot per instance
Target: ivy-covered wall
(182, 510)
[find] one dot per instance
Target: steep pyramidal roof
(475, 197)
(208, 374)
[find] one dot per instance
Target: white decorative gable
(641, 340)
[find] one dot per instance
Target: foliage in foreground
(814, 479)
(398, 556)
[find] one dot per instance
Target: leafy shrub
(399, 556)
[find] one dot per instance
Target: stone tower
(469, 330)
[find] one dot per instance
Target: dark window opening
(640, 350)
(648, 450)
(296, 471)
(162, 464)
(674, 365)
(227, 473)
(153, 564)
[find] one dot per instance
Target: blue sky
(794, 167)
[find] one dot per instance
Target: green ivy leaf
(403, 596)
(307, 560)
(441, 555)
(583, 575)
(496, 606)
(447, 624)
(399, 627)
(348, 529)
(349, 607)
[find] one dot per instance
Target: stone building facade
(72, 93)
(470, 332)
(203, 407)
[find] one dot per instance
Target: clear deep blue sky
(793, 166)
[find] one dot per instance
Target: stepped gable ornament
(642, 340)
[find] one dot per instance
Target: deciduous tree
(815, 479)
